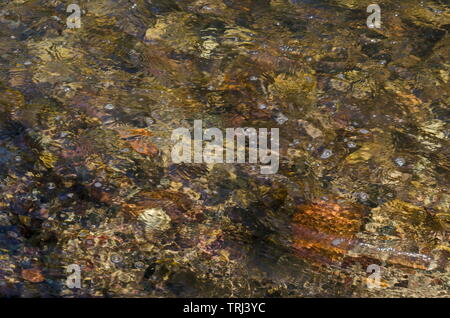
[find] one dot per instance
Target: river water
(357, 207)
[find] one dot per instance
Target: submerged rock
(155, 219)
(325, 231)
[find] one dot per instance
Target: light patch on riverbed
(155, 219)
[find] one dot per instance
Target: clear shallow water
(86, 119)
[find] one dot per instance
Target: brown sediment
(137, 139)
(33, 275)
(327, 234)
(177, 205)
(325, 230)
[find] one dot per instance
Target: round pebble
(363, 131)
(116, 258)
(12, 234)
(337, 242)
(83, 234)
(149, 121)
(363, 196)
(327, 153)
(47, 224)
(400, 161)
(139, 265)
(281, 119)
